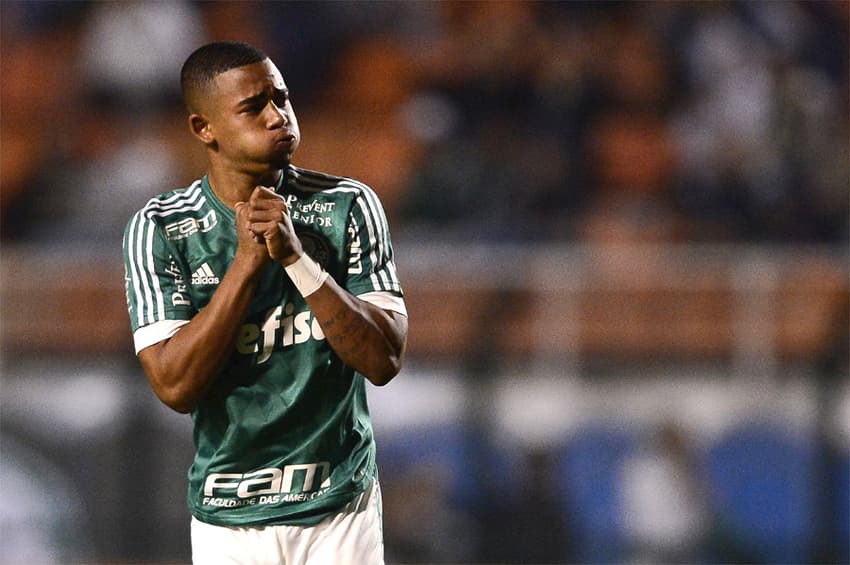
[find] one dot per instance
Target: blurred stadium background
(622, 229)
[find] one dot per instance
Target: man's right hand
(250, 248)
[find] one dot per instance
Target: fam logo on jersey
(204, 275)
(188, 226)
(268, 486)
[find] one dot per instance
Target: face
(249, 119)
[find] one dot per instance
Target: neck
(236, 186)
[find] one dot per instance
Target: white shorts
(353, 536)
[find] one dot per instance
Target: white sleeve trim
(386, 300)
(156, 332)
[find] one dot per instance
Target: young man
(261, 297)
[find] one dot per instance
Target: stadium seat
(458, 453)
(437, 447)
(589, 468)
(842, 520)
(761, 485)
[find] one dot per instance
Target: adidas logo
(204, 275)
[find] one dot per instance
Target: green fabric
(283, 435)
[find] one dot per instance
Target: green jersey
(283, 435)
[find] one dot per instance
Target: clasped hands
(264, 227)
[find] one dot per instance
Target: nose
(277, 117)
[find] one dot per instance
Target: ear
(199, 125)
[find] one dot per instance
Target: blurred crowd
(480, 121)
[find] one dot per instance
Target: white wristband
(306, 274)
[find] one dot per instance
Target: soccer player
(261, 299)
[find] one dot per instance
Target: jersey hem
(303, 518)
(152, 334)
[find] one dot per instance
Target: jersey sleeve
(371, 266)
(155, 285)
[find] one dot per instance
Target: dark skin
(247, 124)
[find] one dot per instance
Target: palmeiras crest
(316, 246)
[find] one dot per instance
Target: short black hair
(209, 61)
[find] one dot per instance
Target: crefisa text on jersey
(282, 326)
